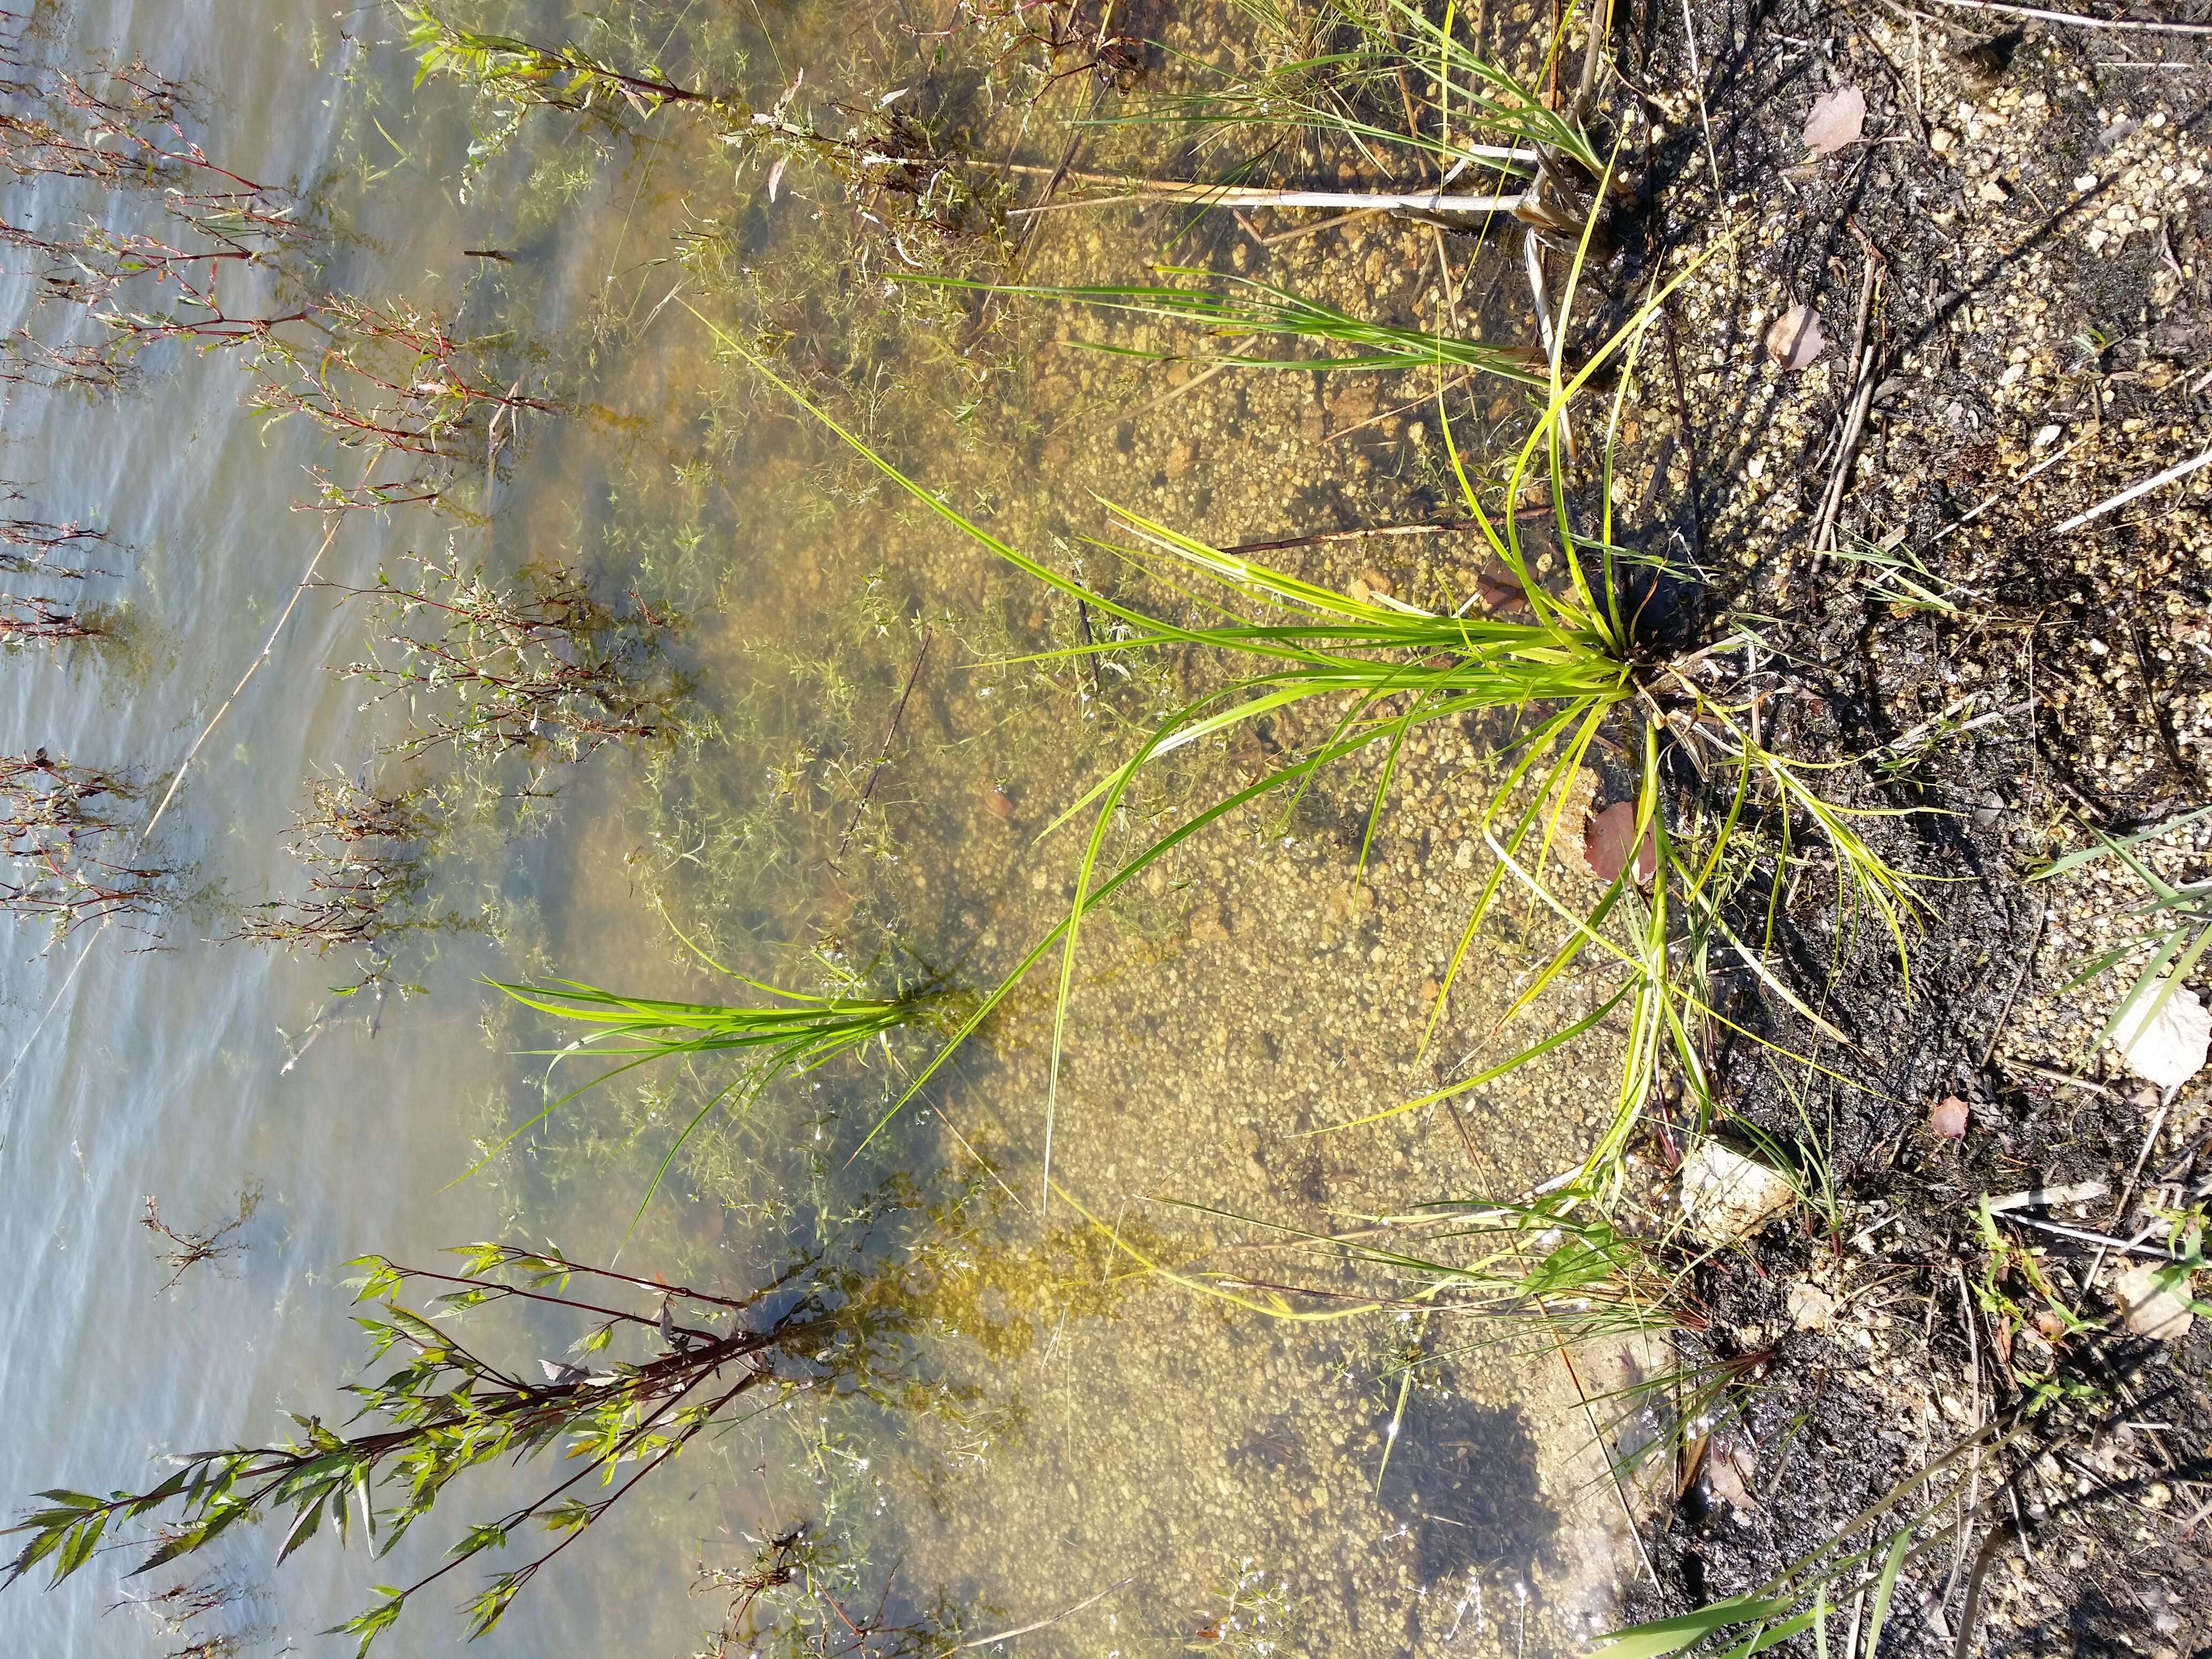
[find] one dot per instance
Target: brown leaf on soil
(1605, 844)
(1947, 1118)
(1838, 118)
(1795, 340)
(1498, 588)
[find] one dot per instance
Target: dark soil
(1990, 166)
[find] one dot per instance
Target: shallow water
(1126, 1434)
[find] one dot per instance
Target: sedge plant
(1341, 70)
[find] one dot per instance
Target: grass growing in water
(778, 1033)
(1250, 307)
(1584, 665)
(1340, 69)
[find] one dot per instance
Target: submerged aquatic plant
(1584, 1278)
(835, 1320)
(362, 847)
(59, 861)
(383, 378)
(883, 153)
(29, 546)
(397, 379)
(805, 1597)
(182, 1250)
(780, 1032)
(542, 668)
(39, 621)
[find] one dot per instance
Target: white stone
(1811, 1308)
(1728, 1196)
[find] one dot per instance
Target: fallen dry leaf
(1498, 588)
(1838, 118)
(1731, 1470)
(1795, 340)
(1605, 844)
(1947, 1117)
(2169, 1047)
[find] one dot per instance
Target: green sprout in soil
(2171, 929)
(1858, 1566)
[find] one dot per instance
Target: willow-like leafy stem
(527, 75)
(448, 1410)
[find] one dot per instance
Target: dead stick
(1426, 397)
(1220, 196)
(1862, 399)
(1859, 330)
(2168, 477)
(2076, 20)
(2028, 961)
(1601, 25)
(1009, 1635)
(883, 755)
(1275, 238)
(2182, 769)
(1682, 425)
(1434, 527)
